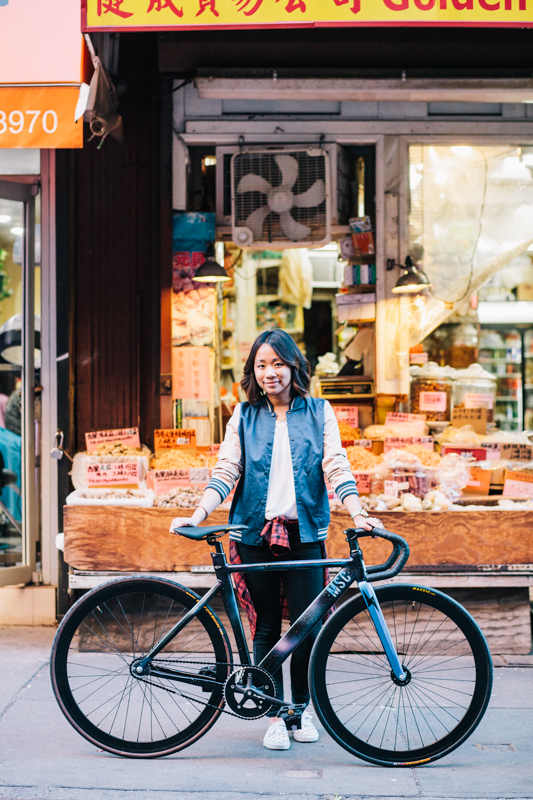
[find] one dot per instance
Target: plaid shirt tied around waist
(276, 534)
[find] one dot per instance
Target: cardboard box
(524, 291)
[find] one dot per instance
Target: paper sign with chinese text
(472, 453)
(479, 482)
(124, 473)
(167, 439)
(127, 436)
(190, 373)
(397, 442)
(178, 14)
(476, 417)
(518, 484)
(395, 417)
(363, 481)
(163, 480)
(348, 414)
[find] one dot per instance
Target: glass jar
(431, 391)
(463, 350)
(475, 388)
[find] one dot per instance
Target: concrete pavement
(42, 757)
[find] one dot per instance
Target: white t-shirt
(281, 495)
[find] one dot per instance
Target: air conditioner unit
(283, 196)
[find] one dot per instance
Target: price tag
(432, 401)
(516, 452)
(390, 488)
(366, 443)
(479, 482)
(478, 400)
(348, 414)
(168, 439)
(128, 436)
(121, 473)
(492, 450)
(397, 442)
(213, 449)
(362, 480)
(394, 417)
(163, 480)
(518, 484)
(476, 417)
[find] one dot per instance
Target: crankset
(248, 690)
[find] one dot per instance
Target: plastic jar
(431, 392)
(463, 350)
(475, 388)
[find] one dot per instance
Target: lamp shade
(413, 279)
(211, 272)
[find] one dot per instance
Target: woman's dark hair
(286, 349)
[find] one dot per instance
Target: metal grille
(292, 173)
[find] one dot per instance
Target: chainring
(243, 680)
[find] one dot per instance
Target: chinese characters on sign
(124, 473)
(146, 14)
(190, 373)
(163, 480)
(128, 436)
(174, 437)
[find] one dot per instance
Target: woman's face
(272, 374)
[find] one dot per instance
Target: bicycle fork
(369, 596)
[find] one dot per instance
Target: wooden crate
(137, 539)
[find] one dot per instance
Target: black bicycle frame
(352, 569)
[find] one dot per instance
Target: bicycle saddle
(202, 533)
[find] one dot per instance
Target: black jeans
(300, 588)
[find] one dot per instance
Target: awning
(41, 53)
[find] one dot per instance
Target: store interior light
(211, 271)
(17, 231)
(5, 218)
(413, 279)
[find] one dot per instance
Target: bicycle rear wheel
(100, 637)
(367, 711)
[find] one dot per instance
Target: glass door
(19, 357)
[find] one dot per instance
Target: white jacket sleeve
(334, 461)
(228, 468)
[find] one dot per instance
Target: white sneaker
(277, 737)
(308, 732)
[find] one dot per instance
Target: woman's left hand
(366, 522)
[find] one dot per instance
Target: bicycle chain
(190, 697)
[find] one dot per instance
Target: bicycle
(400, 675)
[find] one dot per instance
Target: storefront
(423, 163)
(38, 97)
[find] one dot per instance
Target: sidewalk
(41, 756)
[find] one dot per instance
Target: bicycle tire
(104, 701)
(450, 677)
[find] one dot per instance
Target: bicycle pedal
(292, 716)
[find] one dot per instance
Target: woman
(278, 446)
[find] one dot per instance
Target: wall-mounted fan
(280, 198)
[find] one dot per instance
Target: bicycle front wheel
(99, 693)
(362, 705)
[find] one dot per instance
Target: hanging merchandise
(296, 278)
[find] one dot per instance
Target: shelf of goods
(483, 558)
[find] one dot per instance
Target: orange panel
(40, 117)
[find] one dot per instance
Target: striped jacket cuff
(219, 486)
(345, 489)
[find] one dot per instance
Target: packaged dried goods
(179, 459)
(431, 392)
(89, 469)
(379, 432)
(347, 432)
(184, 497)
(428, 458)
(140, 498)
(361, 459)
(115, 449)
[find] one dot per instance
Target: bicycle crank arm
(369, 595)
(207, 684)
(249, 691)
